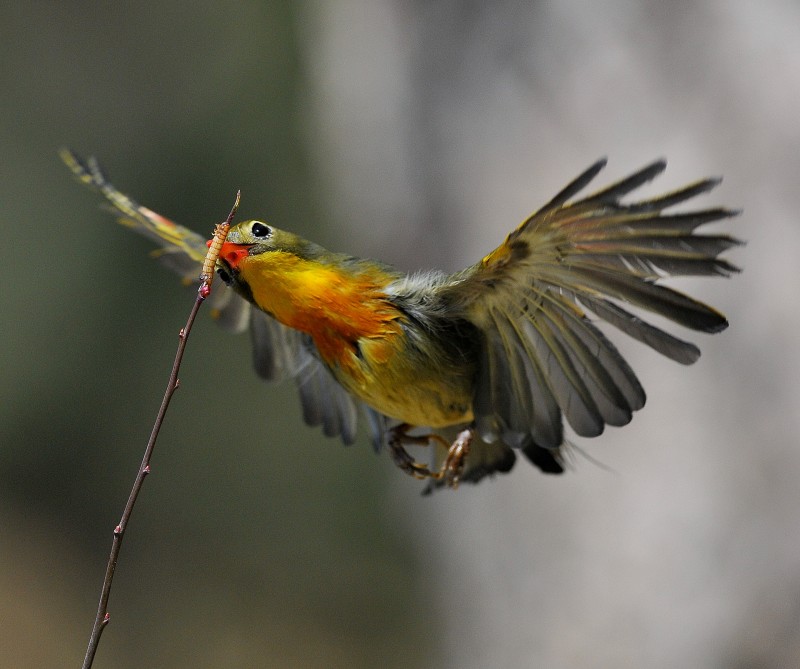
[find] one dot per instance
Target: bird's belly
(420, 401)
(431, 389)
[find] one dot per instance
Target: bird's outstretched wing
(543, 356)
(278, 352)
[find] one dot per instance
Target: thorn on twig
(146, 470)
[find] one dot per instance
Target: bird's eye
(260, 230)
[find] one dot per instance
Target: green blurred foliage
(256, 542)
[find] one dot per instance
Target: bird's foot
(451, 469)
(456, 457)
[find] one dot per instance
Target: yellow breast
(361, 337)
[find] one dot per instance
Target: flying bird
(481, 365)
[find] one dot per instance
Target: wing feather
(615, 377)
(565, 379)
(325, 402)
(510, 377)
(543, 356)
(601, 369)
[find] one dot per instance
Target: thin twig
(206, 278)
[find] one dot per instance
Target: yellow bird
(489, 361)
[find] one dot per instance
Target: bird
(506, 358)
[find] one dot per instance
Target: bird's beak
(232, 253)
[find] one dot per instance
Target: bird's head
(250, 241)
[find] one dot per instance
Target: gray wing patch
(325, 402)
(280, 352)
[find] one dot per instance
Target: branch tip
(235, 207)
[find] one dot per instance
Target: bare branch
(206, 278)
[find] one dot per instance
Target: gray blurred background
(420, 133)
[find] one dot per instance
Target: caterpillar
(214, 247)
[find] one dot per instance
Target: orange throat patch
(334, 305)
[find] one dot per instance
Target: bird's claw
(453, 466)
(456, 458)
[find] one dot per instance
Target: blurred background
(419, 133)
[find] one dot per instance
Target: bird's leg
(453, 465)
(398, 438)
